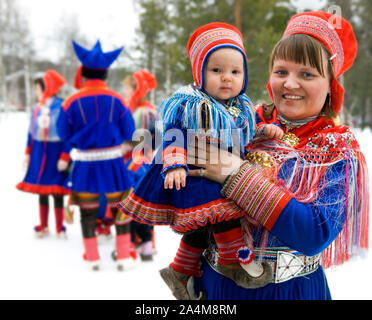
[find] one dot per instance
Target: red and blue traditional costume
(44, 144)
(95, 122)
(312, 211)
(45, 148)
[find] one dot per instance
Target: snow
(51, 268)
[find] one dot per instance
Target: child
(218, 106)
(44, 148)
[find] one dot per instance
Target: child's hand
(177, 175)
(273, 132)
(62, 165)
(26, 161)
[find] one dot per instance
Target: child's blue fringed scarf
(200, 111)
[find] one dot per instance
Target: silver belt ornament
(288, 266)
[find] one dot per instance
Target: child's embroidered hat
(206, 40)
(337, 35)
(146, 82)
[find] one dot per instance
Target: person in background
(44, 149)
(312, 212)
(136, 87)
(96, 122)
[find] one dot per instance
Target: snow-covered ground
(31, 268)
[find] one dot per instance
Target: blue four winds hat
(96, 58)
(95, 62)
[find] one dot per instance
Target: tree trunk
(237, 14)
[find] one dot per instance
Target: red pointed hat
(53, 82)
(337, 35)
(146, 82)
(209, 38)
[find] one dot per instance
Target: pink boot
(91, 252)
(124, 257)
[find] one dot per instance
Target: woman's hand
(217, 163)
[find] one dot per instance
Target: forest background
(164, 27)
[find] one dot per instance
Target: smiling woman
(308, 191)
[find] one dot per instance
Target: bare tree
(15, 50)
(2, 66)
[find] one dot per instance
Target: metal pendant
(234, 111)
(291, 139)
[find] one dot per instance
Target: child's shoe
(92, 265)
(177, 282)
(61, 233)
(259, 274)
(146, 251)
(41, 232)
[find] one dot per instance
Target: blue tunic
(96, 118)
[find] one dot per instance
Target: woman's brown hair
(301, 48)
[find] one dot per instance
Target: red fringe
(44, 190)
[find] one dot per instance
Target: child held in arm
(217, 106)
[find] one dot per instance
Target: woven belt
(97, 154)
(287, 264)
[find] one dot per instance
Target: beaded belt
(97, 154)
(287, 264)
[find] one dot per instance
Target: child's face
(224, 74)
(38, 91)
(127, 91)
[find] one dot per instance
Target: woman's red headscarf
(337, 35)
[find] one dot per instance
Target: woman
(307, 193)
(44, 149)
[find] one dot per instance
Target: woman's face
(299, 90)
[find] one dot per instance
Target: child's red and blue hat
(207, 39)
